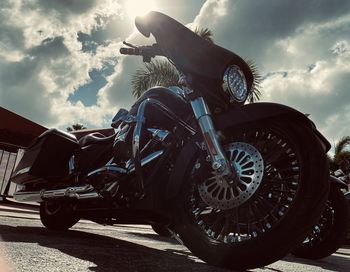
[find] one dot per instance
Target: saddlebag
(47, 159)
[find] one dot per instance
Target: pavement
(27, 246)
(18, 210)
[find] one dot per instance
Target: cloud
(316, 59)
(48, 50)
(302, 49)
(43, 62)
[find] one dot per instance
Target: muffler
(78, 192)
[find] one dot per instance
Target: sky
(60, 61)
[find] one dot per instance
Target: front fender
(238, 116)
(187, 156)
(259, 111)
(347, 196)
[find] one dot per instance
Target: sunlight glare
(139, 7)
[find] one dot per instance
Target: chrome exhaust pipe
(86, 191)
(80, 193)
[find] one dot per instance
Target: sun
(139, 7)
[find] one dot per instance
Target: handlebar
(130, 51)
(148, 51)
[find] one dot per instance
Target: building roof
(17, 131)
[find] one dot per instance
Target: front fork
(220, 163)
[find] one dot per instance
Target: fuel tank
(171, 98)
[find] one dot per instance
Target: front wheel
(330, 231)
(282, 191)
(57, 215)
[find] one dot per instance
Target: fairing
(204, 61)
(191, 53)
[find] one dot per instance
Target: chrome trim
(112, 188)
(80, 192)
(145, 160)
(27, 196)
(177, 90)
(200, 108)
(71, 165)
(136, 156)
(22, 171)
(159, 134)
(217, 193)
(92, 195)
(232, 90)
(108, 168)
(129, 165)
(219, 161)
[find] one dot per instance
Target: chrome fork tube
(218, 158)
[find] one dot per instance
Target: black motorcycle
(330, 232)
(240, 185)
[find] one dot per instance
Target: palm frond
(75, 127)
(205, 33)
(342, 161)
(155, 73)
(342, 144)
(255, 92)
(342, 154)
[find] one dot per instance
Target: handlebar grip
(130, 51)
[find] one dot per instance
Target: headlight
(234, 84)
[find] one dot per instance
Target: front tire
(330, 232)
(57, 215)
(276, 217)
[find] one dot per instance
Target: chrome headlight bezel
(235, 84)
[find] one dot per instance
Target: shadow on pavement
(331, 263)
(155, 237)
(111, 254)
(108, 254)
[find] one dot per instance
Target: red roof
(17, 131)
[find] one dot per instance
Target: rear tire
(330, 232)
(228, 238)
(57, 215)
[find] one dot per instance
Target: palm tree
(155, 73)
(75, 127)
(163, 73)
(341, 158)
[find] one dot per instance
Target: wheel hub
(248, 163)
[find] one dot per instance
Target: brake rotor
(248, 163)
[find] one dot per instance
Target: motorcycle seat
(94, 138)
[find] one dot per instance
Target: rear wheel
(57, 215)
(330, 231)
(282, 191)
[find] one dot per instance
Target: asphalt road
(27, 246)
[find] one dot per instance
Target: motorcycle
(239, 185)
(330, 232)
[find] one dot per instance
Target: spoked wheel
(57, 215)
(281, 193)
(330, 231)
